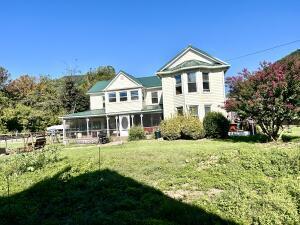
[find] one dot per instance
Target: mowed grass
(162, 182)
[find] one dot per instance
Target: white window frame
(178, 85)
(205, 106)
(121, 92)
(195, 74)
(152, 93)
(205, 81)
(131, 96)
(197, 107)
(109, 98)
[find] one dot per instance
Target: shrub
(186, 127)
(171, 128)
(192, 128)
(136, 133)
(215, 125)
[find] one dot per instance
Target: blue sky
(46, 37)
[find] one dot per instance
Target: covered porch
(88, 124)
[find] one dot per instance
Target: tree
(98, 74)
(73, 98)
(270, 95)
(20, 88)
(4, 75)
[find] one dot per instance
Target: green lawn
(161, 182)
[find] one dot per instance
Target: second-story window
(205, 81)
(103, 101)
(134, 95)
(192, 85)
(123, 96)
(178, 84)
(154, 97)
(112, 97)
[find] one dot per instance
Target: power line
(264, 50)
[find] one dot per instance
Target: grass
(161, 182)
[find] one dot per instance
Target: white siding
(168, 86)
(215, 97)
(148, 96)
(190, 55)
(96, 102)
(124, 106)
(122, 82)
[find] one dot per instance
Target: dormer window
(178, 85)
(123, 96)
(192, 85)
(205, 81)
(112, 97)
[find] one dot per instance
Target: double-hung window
(154, 97)
(112, 97)
(192, 85)
(205, 81)
(193, 110)
(103, 101)
(123, 96)
(207, 109)
(134, 95)
(178, 84)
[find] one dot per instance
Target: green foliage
(136, 133)
(185, 127)
(270, 96)
(29, 162)
(33, 103)
(215, 125)
(150, 182)
(171, 128)
(257, 138)
(98, 74)
(73, 98)
(192, 128)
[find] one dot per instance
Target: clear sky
(47, 36)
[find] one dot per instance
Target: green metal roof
(148, 82)
(99, 86)
(190, 63)
(88, 113)
(101, 112)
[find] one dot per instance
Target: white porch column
(116, 118)
(87, 127)
(141, 120)
(107, 126)
(132, 116)
(64, 132)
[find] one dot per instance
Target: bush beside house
(216, 125)
(185, 127)
(136, 133)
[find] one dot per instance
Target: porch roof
(101, 112)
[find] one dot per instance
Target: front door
(124, 125)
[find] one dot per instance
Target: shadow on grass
(104, 197)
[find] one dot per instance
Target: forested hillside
(32, 103)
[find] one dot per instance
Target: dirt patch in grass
(190, 195)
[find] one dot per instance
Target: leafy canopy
(270, 96)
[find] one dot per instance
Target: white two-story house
(190, 83)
